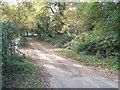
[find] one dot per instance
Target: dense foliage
(89, 27)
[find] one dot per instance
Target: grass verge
(91, 60)
(20, 72)
(25, 75)
(88, 60)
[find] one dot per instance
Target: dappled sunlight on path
(65, 73)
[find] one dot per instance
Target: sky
(10, 1)
(13, 2)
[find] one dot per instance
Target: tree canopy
(90, 27)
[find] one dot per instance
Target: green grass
(91, 60)
(24, 75)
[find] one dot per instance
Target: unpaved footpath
(67, 73)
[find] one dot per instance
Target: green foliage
(22, 41)
(7, 36)
(5, 46)
(22, 72)
(107, 45)
(90, 60)
(14, 64)
(11, 62)
(98, 55)
(85, 28)
(11, 31)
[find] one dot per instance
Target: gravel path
(61, 72)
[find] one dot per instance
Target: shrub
(106, 45)
(22, 41)
(98, 55)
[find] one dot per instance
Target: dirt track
(66, 73)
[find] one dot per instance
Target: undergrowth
(92, 60)
(23, 42)
(22, 75)
(89, 60)
(18, 71)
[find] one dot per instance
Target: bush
(98, 55)
(106, 45)
(11, 62)
(22, 41)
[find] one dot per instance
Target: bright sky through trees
(11, 1)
